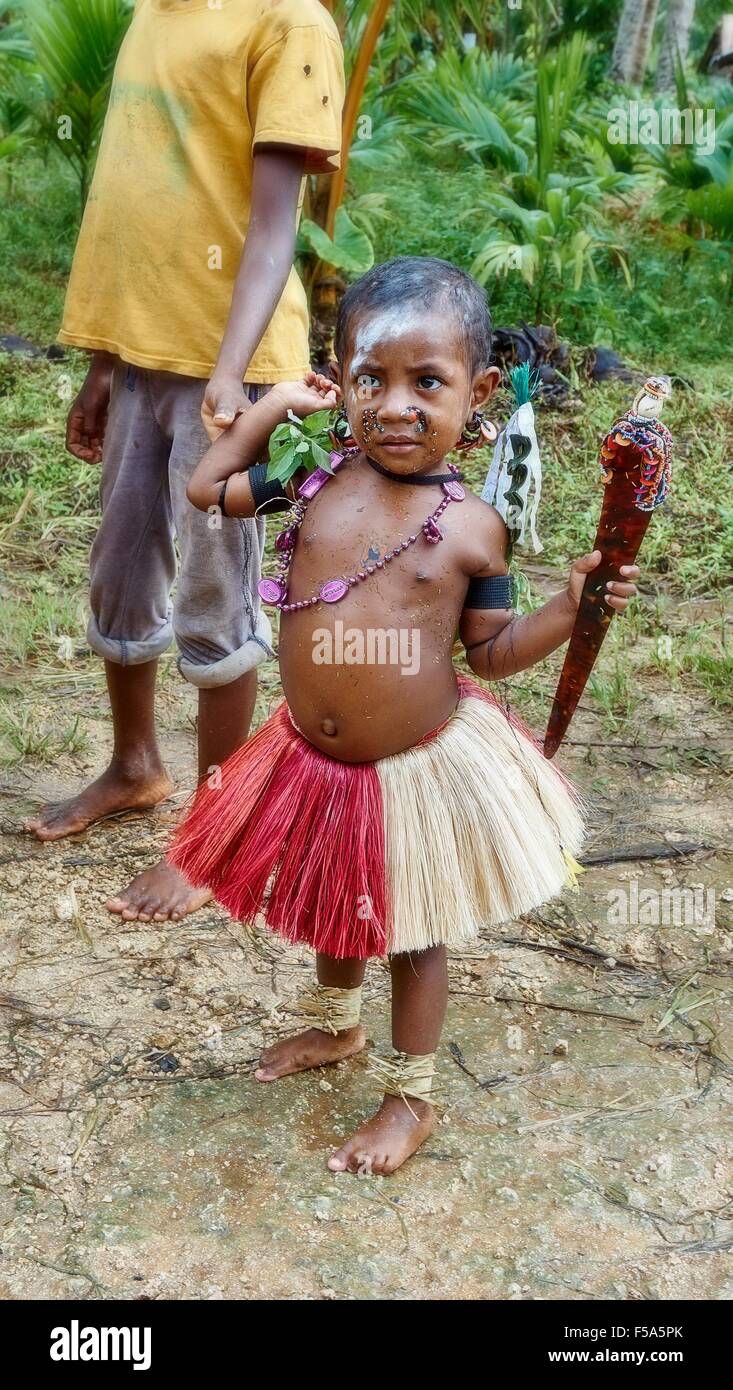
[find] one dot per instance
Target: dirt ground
(583, 1149)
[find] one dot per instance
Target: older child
(183, 288)
(383, 810)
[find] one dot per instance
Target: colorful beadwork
(651, 443)
(274, 591)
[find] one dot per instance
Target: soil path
(585, 1067)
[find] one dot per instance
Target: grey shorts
(153, 442)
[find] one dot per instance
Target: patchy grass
(615, 694)
(25, 735)
(38, 230)
(714, 673)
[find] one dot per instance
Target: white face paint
(386, 326)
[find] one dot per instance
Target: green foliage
(383, 143)
(301, 444)
(349, 249)
(560, 80)
(550, 225)
(536, 201)
(471, 102)
(414, 28)
(615, 693)
(23, 736)
(74, 45)
(713, 205)
(714, 672)
(13, 39)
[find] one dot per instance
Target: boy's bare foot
(159, 894)
(385, 1141)
(115, 790)
(310, 1049)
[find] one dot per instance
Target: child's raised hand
(314, 392)
(618, 591)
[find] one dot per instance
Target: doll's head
(413, 343)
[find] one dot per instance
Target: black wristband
(268, 497)
(223, 498)
(491, 591)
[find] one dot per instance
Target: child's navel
(328, 727)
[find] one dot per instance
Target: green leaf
(321, 457)
(350, 249)
(301, 444)
(316, 423)
(499, 257)
(282, 469)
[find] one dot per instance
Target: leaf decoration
(299, 444)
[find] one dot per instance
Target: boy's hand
(87, 418)
(618, 591)
(224, 399)
(314, 392)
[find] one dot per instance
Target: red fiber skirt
(289, 813)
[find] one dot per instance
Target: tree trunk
(680, 14)
(627, 37)
(633, 40)
(644, 42)
(718, 56)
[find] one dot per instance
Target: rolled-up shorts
(154, 439)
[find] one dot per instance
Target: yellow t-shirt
(197, 85)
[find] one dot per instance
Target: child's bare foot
(385, 1141)
(115, 790)
(310, 1049)
(159, 894)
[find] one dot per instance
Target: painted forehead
(435, 327)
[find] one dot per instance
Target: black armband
(268, 497)
(492, 591)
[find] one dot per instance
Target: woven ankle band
(332, 1010)
(404, 1074)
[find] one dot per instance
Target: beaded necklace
(275, 591)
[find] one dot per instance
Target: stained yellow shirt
(197, 85)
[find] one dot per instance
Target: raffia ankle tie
(404, 1074)
(331, 1010)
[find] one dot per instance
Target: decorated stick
(635, 464)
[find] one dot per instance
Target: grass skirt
(466, 829)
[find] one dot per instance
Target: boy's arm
(499, 644)
(245, 443)
(266, 261)
(235, 451)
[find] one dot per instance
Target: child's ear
(484, 386)
(333, 371)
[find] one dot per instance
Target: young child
(383, 810)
